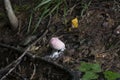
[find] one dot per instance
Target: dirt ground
(95, 40)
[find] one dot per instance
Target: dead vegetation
(96, 39)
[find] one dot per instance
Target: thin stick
(10, 47)
(33, 74)
(16, 62)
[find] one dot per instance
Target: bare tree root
(11, 15)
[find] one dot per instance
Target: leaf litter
(94, 40)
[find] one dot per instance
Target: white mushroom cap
(57, 44)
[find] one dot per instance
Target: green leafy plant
(109, 75)
(90, 70)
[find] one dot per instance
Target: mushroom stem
(11, 15)
(56, 54)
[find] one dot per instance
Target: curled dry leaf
(34, 48)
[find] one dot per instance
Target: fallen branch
(16, 62)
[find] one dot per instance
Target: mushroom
(58, 47)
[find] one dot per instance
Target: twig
(11, 47)
(18, 75)
(49, 21)
(11, 15)
(16, 49)
(16, 62)
(67, 70)
(33, 74)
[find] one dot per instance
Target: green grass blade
(30, 21)
(41, 4)
(40, 19)
(54, 9)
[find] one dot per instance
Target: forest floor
(95, 40)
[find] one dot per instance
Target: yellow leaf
(75, 23)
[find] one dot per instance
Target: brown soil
(95, 40)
